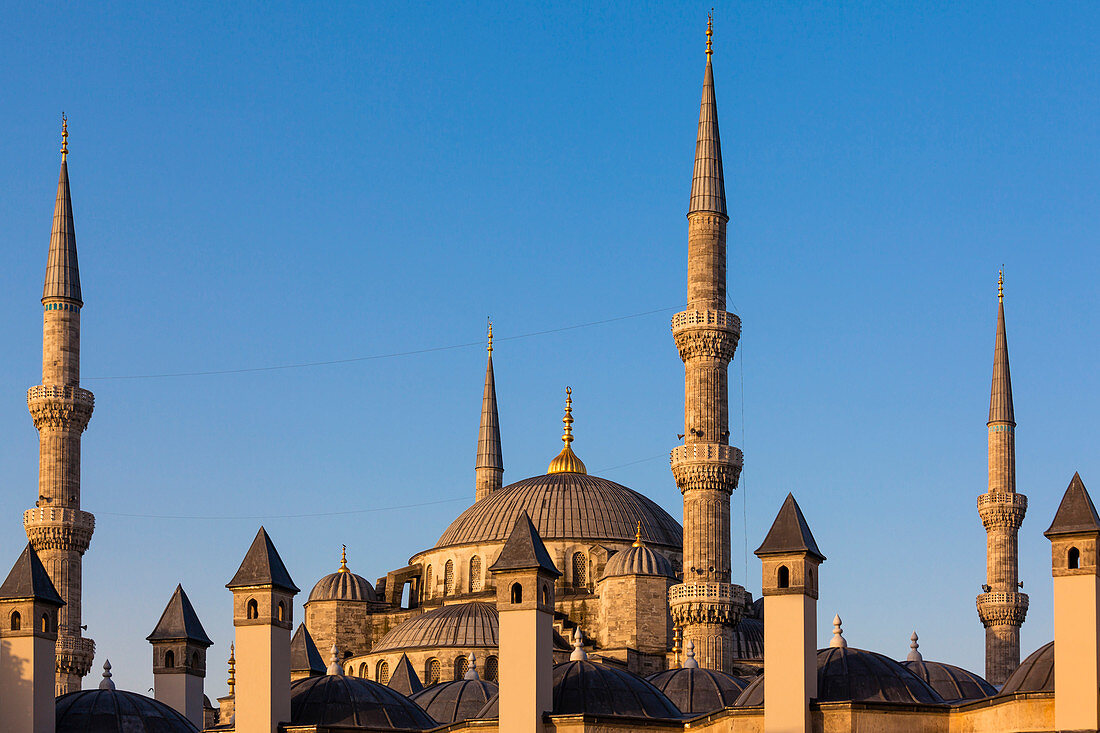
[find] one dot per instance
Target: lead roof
(524, 550)
(789, 533)
(708, 187)
(262, 566)
(1000, 396)
(28, 579)
(179, 621)
(304, 656)
(62, 271)
(1076, 513)
(404, 678)
(488, 439)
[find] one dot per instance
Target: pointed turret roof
(488, 437)
(1000, 398)
(179, 621)
(789, 533)
(304, 656)
(262, 566)
(523, 550)
(29, 579)
(708, 187)
(62, 272)
(1076, 513)
(404, 679)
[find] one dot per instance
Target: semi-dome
(748, 638)
(455, 701)
(846, 674)
(638, 560)
(335, 699)
(1035, 674)
(343, 585)
(472, 624)
(952, 683)
(582, 686)
(116, 711)
(697, 691)
(565, 506)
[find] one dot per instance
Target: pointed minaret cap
(708, 187)
(262, 566)
(524, 550)
(471, 668)
(578, 654)
(334, 666)
(690, 662)
(62, 270)
(914, 655)
(404, 678)
(1000, 394)
(179, 621)
(489, 453)
(28, 580)
(789, 533)
(1076, 514)
(107, 683)
(304, 656)
(838, 641)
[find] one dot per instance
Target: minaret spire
(57, 528)
(1001, 607)
(489, 469)
(706, 606)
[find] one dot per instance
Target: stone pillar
(1074, 537)
(29, 607)
(790, 560)
(524, 578)
(263, 596)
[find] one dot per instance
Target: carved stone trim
(67, 408)
(1002, 609)
(706, 603)
(74, 655)
(712, 334)
(711, 466)
(1002, 510)
(52, 528)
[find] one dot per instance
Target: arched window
(462, 666)
(253, 610)
(44, 625)
(383, 672)
(195, 660)
(169, 659)
(16, 621)
(809, 576)
(784, 577)
(580, 570)
(431, 671)
(363, 670)
(1074, 558)
(282, 612)
(545, 594)
(517, 593)
(491, 669)
(427, 583)
(449, 578)
(475, 574)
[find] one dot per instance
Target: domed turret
(343, 585)
(638, 560)
(353, 701)
(458, 700)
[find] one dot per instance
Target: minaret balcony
(1003, 509)
(59, 528)
(706, 466)
(706, 333)
(720, 603)
(75, 654)
(60, 406)
(1002, 609)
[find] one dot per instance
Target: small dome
(748, 639)
(847, 674)
(952, 683)
(335, 699)
(471, 624)
(453, 702)
(697, 691)
(343, 585)
(116, 711)
(1035, 674)
(597, 689)
(638, 561)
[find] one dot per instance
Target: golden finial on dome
(343, 560)
(232, 670)
(567, 461)
(64, 137)
(1001, 285)
(710, 31)
(638, 536)
(490, 347)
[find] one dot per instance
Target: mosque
(561, 602)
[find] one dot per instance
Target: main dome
(566, 506)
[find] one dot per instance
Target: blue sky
(274, 184)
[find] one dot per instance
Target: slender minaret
(1001, 607)
(706, 468)
(57, 528)
(489, 468)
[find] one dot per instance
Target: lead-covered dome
(565, 506)
(1035, 674)
(698, 691)
(353, 701)
(846, 674)
(343, 585)
(116, 711)
(471, 624)
(455, 701)
(638, 560)
(952, 683)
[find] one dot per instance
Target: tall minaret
(489, 468)
(1001, 606)
(706, 468)
(57, 528)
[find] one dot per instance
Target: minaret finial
(64, 137)
(334, 666)
(690, 662)
(710, 31)
(838, 641)
(107, 683)
(489, 348)
(567, 461)
(232, 681)
(1001, 284)
(578, 654)
(638, 535)
(343, 560)
(914, 655)
(567, 436)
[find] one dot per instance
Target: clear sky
(271, 184)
